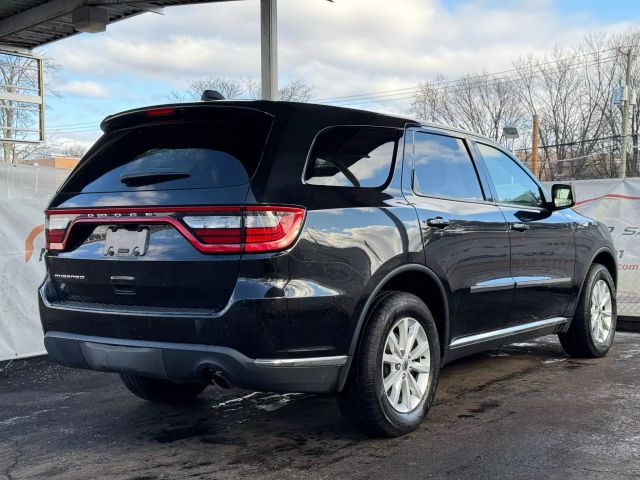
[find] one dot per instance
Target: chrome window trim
(506, 332)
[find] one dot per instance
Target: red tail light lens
(267, 229)
(209, 229)
(250, 229)
(160, 112)
(56, 228)
(223, 229)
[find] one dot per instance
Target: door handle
(519, 227)
(438, 222)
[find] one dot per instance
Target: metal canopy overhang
(28, 24)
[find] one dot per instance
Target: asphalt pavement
(525, 411)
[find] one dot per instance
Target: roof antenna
(211, 95)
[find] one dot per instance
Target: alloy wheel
(406, 363)
(601, 311)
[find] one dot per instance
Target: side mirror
(562, 195)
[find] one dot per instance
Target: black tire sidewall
(600, 273)
(407, 306)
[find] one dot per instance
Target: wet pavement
(525, 411)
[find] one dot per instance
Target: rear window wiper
(148, 178)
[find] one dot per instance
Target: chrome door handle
(519, 227)
(438, 222)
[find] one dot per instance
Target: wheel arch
(605, 257)
(405, 279)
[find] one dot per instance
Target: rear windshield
(173, 156)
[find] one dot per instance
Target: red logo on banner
(28, 243)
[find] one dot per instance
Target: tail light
(56, 228)
(209, 229)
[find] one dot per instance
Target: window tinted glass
(443, 168)
(352, 156)
(173, 156)
(511, 182)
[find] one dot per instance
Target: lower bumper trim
(195, 363)
(336, 361)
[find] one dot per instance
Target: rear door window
(173, 156)
(352, 156)
(443, 168)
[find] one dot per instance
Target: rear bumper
(195, 363)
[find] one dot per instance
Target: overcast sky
(347, 47)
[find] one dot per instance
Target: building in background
(54, 161)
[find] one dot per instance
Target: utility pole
(534, 146)
(625, 113)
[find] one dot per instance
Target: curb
(628, 324)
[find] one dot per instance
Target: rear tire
(365, 401)
(594, 323)
(161, 391)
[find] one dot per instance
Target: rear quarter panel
(352, 237)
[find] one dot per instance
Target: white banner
(26, 189)
(616, 202)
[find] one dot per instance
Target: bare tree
(19, 75)
(476, 102)
(229, 88)
(70, 149)
(569, 90)
(295, 91)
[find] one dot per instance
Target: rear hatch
(151, 218)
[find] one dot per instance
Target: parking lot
(526, 411)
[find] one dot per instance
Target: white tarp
(616, 202)
(25, 191)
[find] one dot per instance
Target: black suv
(303, 248)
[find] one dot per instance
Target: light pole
(625, 113)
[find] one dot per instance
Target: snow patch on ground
(555, 360)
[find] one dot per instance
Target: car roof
(275, 107)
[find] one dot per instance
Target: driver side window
(513, 185)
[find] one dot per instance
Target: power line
(457, 88)
(580, 158)
(444, 82)
(408, 93)
(58, 132)
(92, 122)
(569, 144)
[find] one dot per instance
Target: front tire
(594, 324)
(161, 391)
(395, 372)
